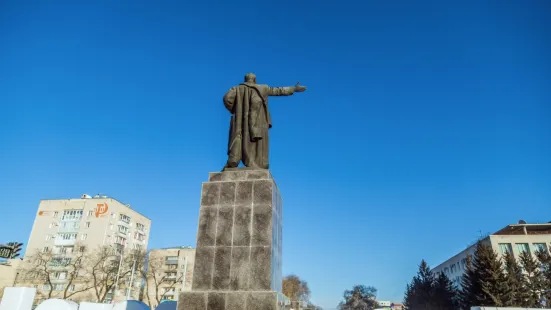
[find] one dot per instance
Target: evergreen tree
(469, 286)
(484, 282)
(427, 292)
(534, 280)
(516, 282)
(445, 293)
(545, 261)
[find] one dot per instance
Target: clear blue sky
(424, 123)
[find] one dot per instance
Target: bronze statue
(250, 121)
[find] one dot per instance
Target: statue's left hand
(299, 88)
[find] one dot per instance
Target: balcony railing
(59, 241)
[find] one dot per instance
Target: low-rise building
(8, 273)
(514, 238)
(169, 272)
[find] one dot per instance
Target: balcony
(68, 229)
(63, 242)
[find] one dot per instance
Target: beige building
(65, 227)
(515, 238)
(8, 273)
(169, 272)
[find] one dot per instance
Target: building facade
(8, 273)
(515, 238)
(65, 227)
(169, 272)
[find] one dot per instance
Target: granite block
(216, 301)
(210, 194)
(206, 231)
(262, 301)
(262, 192)
(240, 268)
(227, 193)
(224, 226)
(202, 272)
(192, 301)
(242, 226)
(222, 263)
(258, 174)
(236, 300)
(262, 225)
(244, 193)
(260, 278)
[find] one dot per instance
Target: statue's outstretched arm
(285, 91)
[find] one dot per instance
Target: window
(53, 224)
(540, 247)
(453, 268)
(82, 249)
(140, 227)
(120, 240)
(72, 236)
(139, 237)
(90, 212)
(171, 260)
(48, 237)
(123, 229)
(71, 215)
(113, 215)
(83, 237)
(72, 288)
(46, 287)
(523, 247)
(124, 218)
(60, 261)
(87, 224)
(505, 248)
(45, 249)
(58, 287)
(55, 214)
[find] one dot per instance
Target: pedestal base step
(229, 300)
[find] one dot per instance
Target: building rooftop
(98, 196)
(525, 229)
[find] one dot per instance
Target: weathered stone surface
(206, 231)
(263, 192)
(216, 301)
(244, 194)
(222, 263)
(224, 226)
(242, 226)
(262, 301)
(202, 272)
(261, 269)
(240, 268)
(192, 301)
(236, 300)
(262, 225)
(227, 193)
(210, 194)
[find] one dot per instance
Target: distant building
(514, 238)
(8, 272)
(170, 271)
(389, 305)
(65, 227)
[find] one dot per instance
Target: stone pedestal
(238, 255)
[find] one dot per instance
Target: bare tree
(62, 275)
(159, 280)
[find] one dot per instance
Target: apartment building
(65, 227)
(170, 271)
(514, 238)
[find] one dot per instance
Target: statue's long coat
(250, 121)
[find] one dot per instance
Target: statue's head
(250, 78)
